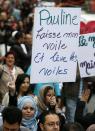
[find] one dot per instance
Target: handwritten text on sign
(55, 40)
(86, 55)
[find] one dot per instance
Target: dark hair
(18, 35)
(44, 114)
(42, 118)
(73, 127)
(47, 88)
(61, 102)
(12, 115)
(10, 53)
(19, 81)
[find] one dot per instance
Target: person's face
(49, 96)
(21, 39)
(29, 39)
(25, 85)
(4, 16)
(10, 60)
(28, 111)
(52, 123)
(10, 127)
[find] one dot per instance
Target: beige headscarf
(41, 101)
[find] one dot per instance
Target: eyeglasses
(52, 124)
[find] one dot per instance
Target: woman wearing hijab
(29, 111)
(46, 99)
(47, 102)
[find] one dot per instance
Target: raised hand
(85, 95)
(11, 86)
(53, 101)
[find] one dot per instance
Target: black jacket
(22, 60)
(85, 120)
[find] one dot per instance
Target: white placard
(55, 41)
(86, 55)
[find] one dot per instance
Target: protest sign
(55, 41)
(86, 55)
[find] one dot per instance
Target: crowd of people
(68, 106)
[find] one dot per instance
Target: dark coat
(85, 120)
(23, 60)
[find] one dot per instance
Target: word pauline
(55, 71)
(88, 66)
(63, 18)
